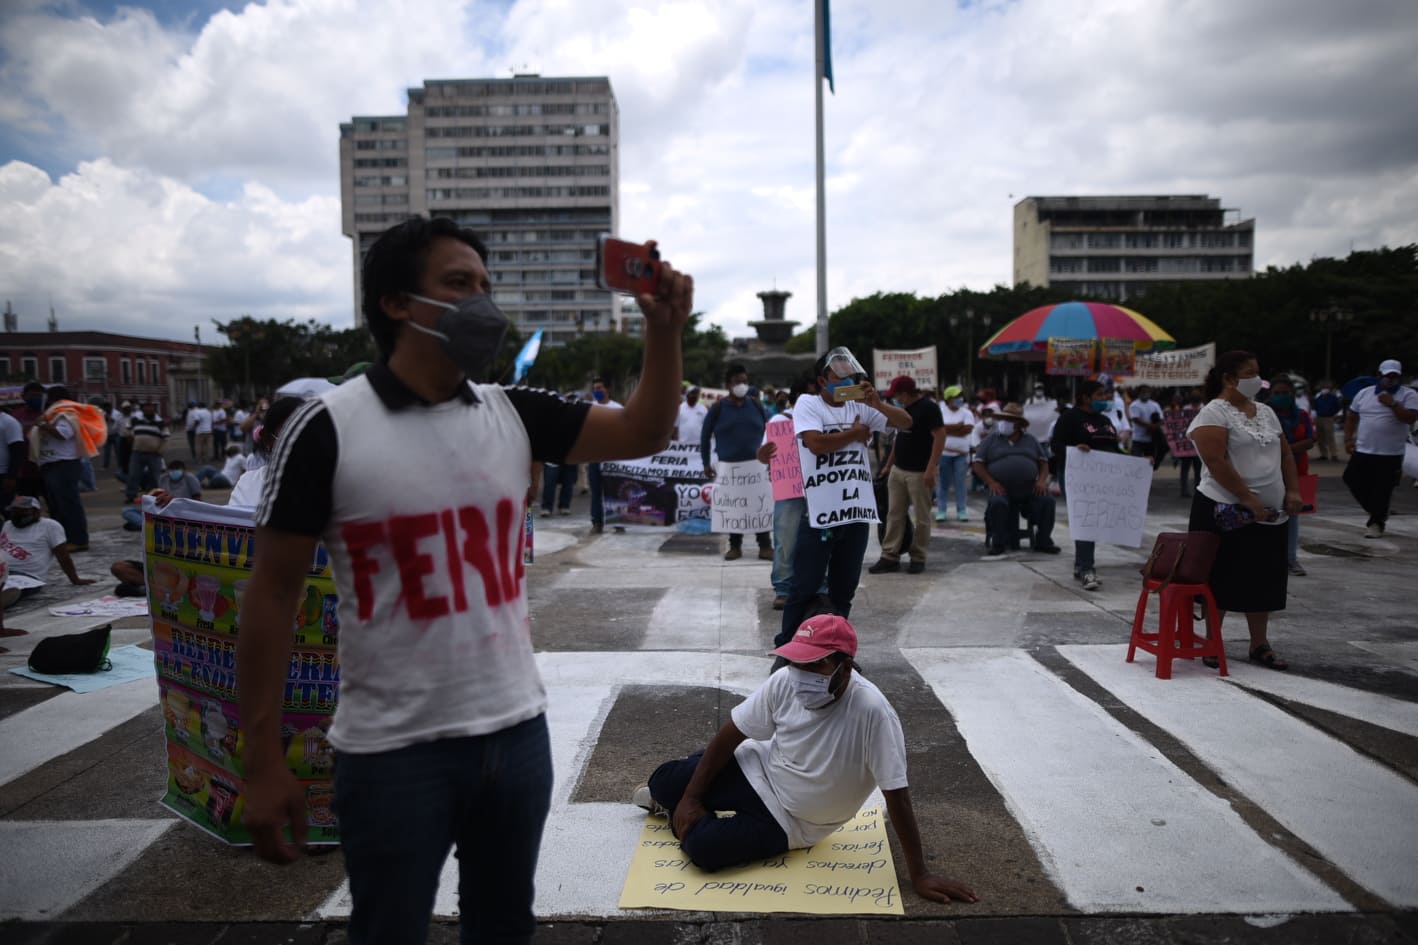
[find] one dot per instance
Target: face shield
(844, 375)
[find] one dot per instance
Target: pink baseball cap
(818, 637)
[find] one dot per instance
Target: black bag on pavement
(85, 652)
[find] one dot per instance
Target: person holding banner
(833, 428)
(1300, 433)
(440, 731)
(1248, 487)
(1088, 427)
(789, 506)
(735, 424)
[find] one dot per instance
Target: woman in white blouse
(1248, 491)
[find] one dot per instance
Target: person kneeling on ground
(29, 544)
(843, 738)
(1014, 468)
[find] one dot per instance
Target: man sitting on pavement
(29, 544)
(1014, 468)
(910, 475)
(795, 761)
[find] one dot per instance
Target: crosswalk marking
(1383, 711)
(1119, 827)
(1357, 813)
(50, 865)
(1402, 654)
(68, 721)
(703, 618)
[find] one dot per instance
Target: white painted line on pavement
(49, 865)
(1118, 826)
(57, 726)
(1402, 654)
(1354, 811)
(982, 604)
(703, 618)
(1394, 714)
(586, 848)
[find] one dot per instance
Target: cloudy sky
(167, 163)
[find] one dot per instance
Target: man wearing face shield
(796, 760)
(833, 428)
(441, 714)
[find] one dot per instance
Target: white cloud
(945, 115)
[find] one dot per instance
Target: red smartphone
(631, 268)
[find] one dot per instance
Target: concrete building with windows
(1116, 247)
(100, 365)
(529, 163)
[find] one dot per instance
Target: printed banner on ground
(849, 872)
(1116, 356)
(742, 498)
(663, 489)
(785, 469)
(198, 562)
(919, 365)
(1184, 367)
(1070, 357)
(1175, 425)
(1107, 496)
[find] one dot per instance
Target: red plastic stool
(1175, 637)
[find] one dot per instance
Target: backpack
(85, 652)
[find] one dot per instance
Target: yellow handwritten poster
(849, 872)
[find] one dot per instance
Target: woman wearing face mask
(1249, 472)
(1300, 434)
(1088, 427)
(955, 454)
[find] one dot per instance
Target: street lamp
(1329, 317)
(970, 344)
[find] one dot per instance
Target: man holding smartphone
(440, 734)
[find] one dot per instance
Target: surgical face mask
(23, 519)
(813, 690)
(989, 422)
(1282, 401)
(1249, 386)
(1385, 383)
(1006, 427)
(955, 403)
(34, 403)
(599, 396)
(175, 475)
(739, 390)
(471, 331)
(1102, 406)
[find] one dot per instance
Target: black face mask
(471, 331)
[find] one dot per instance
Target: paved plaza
(1082, 798)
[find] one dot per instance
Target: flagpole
(817, 78)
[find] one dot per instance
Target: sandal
(1266, 657)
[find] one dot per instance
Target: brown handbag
(1182, 557)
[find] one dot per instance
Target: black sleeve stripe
(552, 424)
(291, 435)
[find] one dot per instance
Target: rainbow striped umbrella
(1027, 337)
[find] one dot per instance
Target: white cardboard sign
(1107, 496)
(742, 498)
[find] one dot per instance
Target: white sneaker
(1374, 531)
(1090, 581)
(641, 798)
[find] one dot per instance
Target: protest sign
(837, 486)
(1184, 367)
(1174, 424)
(849, 872)
(198, 560)
(1070, 357)
(742, 498)
(785, 469)
(662, 489)
(919, 365)
(1116, 356)
(1107, 496)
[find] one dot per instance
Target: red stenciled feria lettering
(455, 566)
(414, 565)
(359, 538)
(509, 523)
(477, 551)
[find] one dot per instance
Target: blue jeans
(593, 481)
(211, 478)
(61, 491)
(400, 811)
(788, 516)
(564, 476)
(1082, 550)
(834, 554)
(144, 473)
(951, 472)
(713, 842)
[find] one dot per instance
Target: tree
(263, 355)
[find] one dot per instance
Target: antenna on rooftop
(53, 318)
(12, 321)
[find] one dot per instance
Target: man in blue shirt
(735, 424)
(1326, 405)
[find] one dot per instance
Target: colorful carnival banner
(1116, 356)
(785, 468)
(663, 489)
(198, 562)
(742, 498)
(1070, 357)
(1184, 367)
(919, 365)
